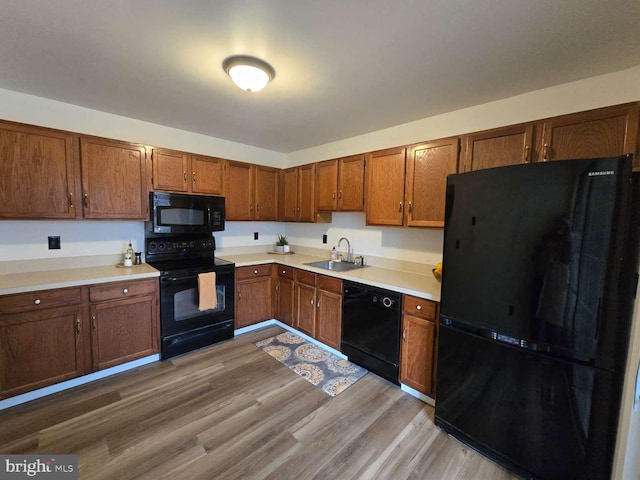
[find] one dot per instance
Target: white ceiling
(343, 67)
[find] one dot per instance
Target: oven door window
(168, 216)
(185, 303)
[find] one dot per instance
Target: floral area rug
(332, 374)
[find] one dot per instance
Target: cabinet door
(327, 185)
(286, 294)
(305, 302)
(170, 170)
(329, 318)
(427, 168)
(385, 174)
(290, 195)
(266, 193)
(39, 173)
(123, 330)
(605, 132)
(207, 175)
(39, 348)
(498, 147)
(351, 184)
(114, 179)
(239, 191)
(306, 193)
(417, 353)
(253, 301)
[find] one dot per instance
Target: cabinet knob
(419, 307)
(37, 301)
(255, 271)
(126, 290)
(284, 271)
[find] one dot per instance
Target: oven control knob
(387, 302)
(161, 246)
(204, 244)
(152, 246)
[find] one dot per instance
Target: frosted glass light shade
(249, 73)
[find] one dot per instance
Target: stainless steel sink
(335, 266)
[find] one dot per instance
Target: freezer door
(532, 413)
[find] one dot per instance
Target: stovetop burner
(182, 253)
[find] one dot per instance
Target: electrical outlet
(255, 235)
(54, 243)
(324, 239)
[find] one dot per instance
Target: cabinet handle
(318, 304)
(93, 322)
(545, 152)
(78, 324)
(311, 300)
(525, 155)
(340, 195)
(400, 207)
(125, 291)
(404, 335)
(86, 200)
(70, 200)
(257, 207)
(239, 295)
(298, 209)
(419, 307)
(184, 175)
(193, 176)
(37, 301)
(410, 207)
(333, 195)
(277, 287)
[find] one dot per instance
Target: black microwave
(179, 214)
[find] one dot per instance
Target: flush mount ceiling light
(249, 73)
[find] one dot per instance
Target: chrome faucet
(349, 259)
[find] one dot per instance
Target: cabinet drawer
(329, 283)
(420, 307)
(112, 291)
(308, 278)
(285, 272)
(242, 273)
(42, 299)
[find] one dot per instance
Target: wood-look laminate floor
(232, 412)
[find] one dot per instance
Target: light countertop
(20, 282)
(423, 286)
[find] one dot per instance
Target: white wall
(408, 244)
(19, 107)
(594, 92)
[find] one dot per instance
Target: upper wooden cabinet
(251, 192)
(266, 193)
(297, 197)
(182, 172)
(115, 179)
(604, 132)
(340, 184)
(384, 190)
(428, 165)
(39, 173)
(498, 147)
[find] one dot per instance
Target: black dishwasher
(371, 328)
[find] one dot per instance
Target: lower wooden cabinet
(254, 295)
(285, 293)
(329, 309)
(50, 336)
(305, 302)
(318, 307)
(418, 346)
(124, 325)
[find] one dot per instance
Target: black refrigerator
(539, 277)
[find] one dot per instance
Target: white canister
(128, 261)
